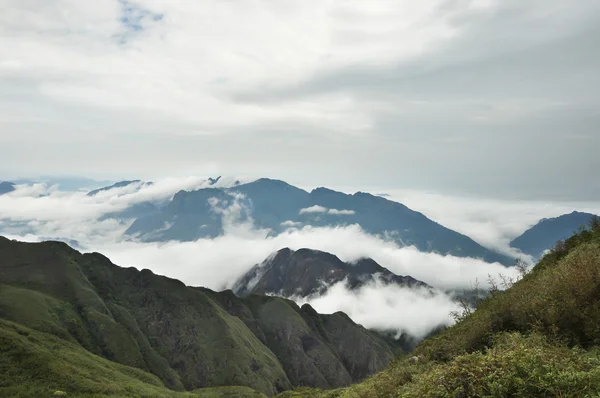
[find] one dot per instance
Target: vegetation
(539, 338)
(36, 364)
(186, 337)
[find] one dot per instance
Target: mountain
(187, 337)
(213, 181)
(307, 272)
(36, 364)
(538, 338)
(133, 211)
(120, 184)
(544, 235)
(65, 183)
(6, 187)
(277, 206)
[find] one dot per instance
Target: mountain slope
(120, 184)
(544, 235)
(307, 272)
(188, 337)
(6, 187)
(538, 338)
(36, 364)
(276, 205)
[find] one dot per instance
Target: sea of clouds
(41, 212)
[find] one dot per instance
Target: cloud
(30, 213)
(337, 212)
(321, 209)
(46, 203)
(388, 307)
(313, 209)
(491, 222)
(290, 223)
(387, 81)
(74, 215)
(218, 263)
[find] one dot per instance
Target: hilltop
(538, 338)
(161, 333)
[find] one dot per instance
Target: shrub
(516, 366)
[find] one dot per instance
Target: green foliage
(35, 364)
(228, 392)
(516, 366)
(559, 298)
(539, 338)
(188, 337)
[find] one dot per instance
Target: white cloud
(321, 209)
(44, 203)
(491, 222)
(388, 307)
(313, 209)
(290, 223)
(217, 263)
(337, 212)
(160, 99)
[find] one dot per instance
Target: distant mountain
(187, 337)
(213, 181)
(6, 187)
(120, 184)
(307, 272)
(134, 210)
(277, 206)
(548, 231)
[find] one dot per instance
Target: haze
(494, 98)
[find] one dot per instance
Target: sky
(487, 98)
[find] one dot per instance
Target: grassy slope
(540, 338)
(187, 337)
(36, 364)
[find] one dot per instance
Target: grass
(540, 338)
(36, 364)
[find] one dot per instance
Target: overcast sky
(497, 98)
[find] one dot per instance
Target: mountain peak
(543, 235)
(6, 187)
(306, 272)
(120, 184)
(213, 181)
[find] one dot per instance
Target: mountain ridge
(189, 337)
(6, 187)
(276, 205)
(545, 233)
(307, 272)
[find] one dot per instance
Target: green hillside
(186, 337)
(539, 338)
(78, 325)
(36, 364)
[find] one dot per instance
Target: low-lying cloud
(33, 213)
(46, 203)
(388, 307)
(325, 210)
(491, 222)
(313, 209)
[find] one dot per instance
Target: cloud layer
(32, 213)
(185, 88)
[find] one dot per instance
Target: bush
(516, 366)
(559, 298)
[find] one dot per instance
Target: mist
(38, 212)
